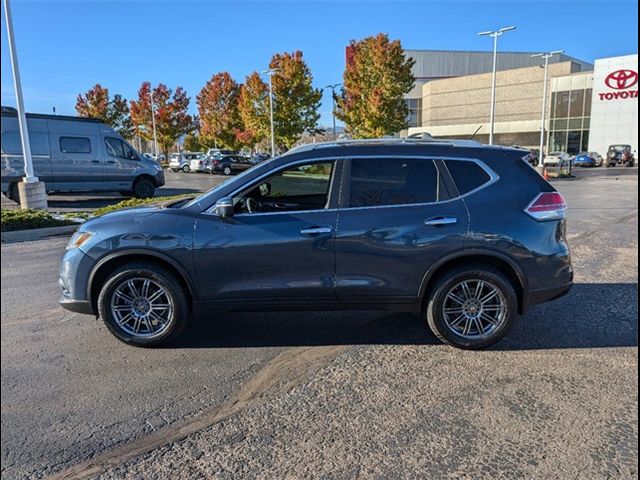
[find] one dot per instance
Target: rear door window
(75, 145)
(394, 181)
(467, 175)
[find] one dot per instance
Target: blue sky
(66, 47)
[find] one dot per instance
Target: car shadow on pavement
(590, 316)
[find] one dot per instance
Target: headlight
(78, 239)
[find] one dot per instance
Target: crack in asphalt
(281, 374)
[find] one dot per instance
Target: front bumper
(75, 270)
(159, 178)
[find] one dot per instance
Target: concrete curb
(37, 233)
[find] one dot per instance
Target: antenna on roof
(474, 133)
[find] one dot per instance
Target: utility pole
(31, 190)
(546, 56)
(270, 72)
(495, 35)
(153, 122)
(333, 103)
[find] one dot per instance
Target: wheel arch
(502, 262)
(109, 263)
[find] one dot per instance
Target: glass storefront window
(574, 142)
(575, 123)
(588, 93)
(558, 142)
(562, 104)
(585, 140)
(576, 107)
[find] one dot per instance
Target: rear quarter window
(467, 175)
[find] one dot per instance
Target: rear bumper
(537, 297)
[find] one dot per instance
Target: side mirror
(224, 207)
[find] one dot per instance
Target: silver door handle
(315, 231)
(440, 221)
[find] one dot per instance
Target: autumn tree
(253, 107)
(96, 103)
(218, 110)
(296, 102)
(172, 119)
(376, 79)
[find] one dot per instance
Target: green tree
(218, 111)
(172, 119)
(377, 77)
(253, 106)
(296, 102)
(96, 103)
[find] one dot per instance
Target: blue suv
(467, 235)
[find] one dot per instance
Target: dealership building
(589, 107)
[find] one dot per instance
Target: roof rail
(422, 139)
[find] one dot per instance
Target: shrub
(12, 220)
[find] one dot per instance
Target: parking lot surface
(334, 395)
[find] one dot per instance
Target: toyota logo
(621, 79)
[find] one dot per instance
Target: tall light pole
(333, 103)
(153, 122)
(31, 190)
(495, 35)
(270, 72)
(545, 56)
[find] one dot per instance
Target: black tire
(12, 193)
(435, 304)
(159, 275)
(144, 188)
(226, 170)
(186, 169)
(175, 170)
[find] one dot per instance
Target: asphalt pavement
(334, 395)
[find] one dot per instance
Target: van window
(117, 148)
(11, 144)
(75, 145)
(392, 181)
(467, 175)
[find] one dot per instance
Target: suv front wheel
(472, 307)
(144, 305)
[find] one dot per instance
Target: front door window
(298, 188)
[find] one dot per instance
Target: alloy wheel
(474, 309)
(142, 307)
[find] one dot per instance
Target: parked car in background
(557, 158)
(179, 162)
(219, 153)
(587, 159)
(391, 225)
(74, 154)
(620, 155)
(197, 161)
(228, 164)
(532, 156)
(259, 157)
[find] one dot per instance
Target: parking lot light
(270, 72)
(495, 35)
(546, 56)
(333, 103)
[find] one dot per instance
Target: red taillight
(548, 206)
(216, 162)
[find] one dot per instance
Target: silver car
(73, 154)
(179, 162)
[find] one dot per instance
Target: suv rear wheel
(472, 307)
(144, 305)
(143, 188)
(226, 170)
